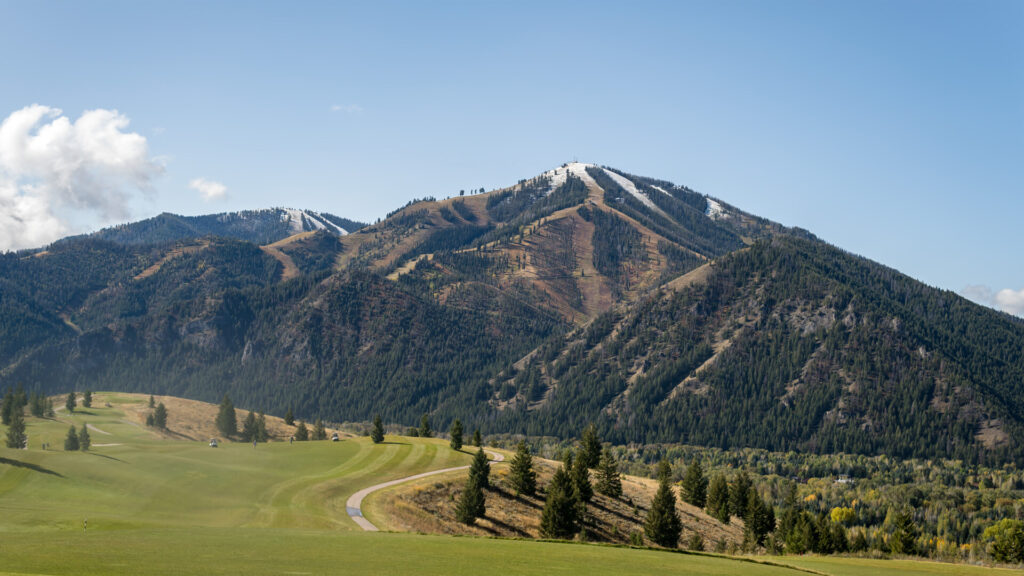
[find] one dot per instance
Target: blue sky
(894, 129)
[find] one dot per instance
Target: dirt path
(354, 504)
(95, 429)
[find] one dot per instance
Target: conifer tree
(903, 540)
(738, 493)
(663, 525)
(377, 434)
(150, 420)
(8, 407)
(718, 499)
(480, 469)
(50, 412)
(477, 439)
(87, 399)
(70, 403)
(301, 432)
(581, 485)
(37, 405)
(71, 441)
(160, 416)
(522, 476)
(289, 418)
(425, 431)
(84, 441)
(261, 428)
(759, 520)
(590, 448)
(319, 433)
(152, 402)
(16, 431)
(249, 427)
(227, 421)
(558, 518)
(456, 434)
(695, 485)
(472, 503)
(609, 481)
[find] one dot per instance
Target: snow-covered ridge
(714, 210)
(559, 175)
(294, 219)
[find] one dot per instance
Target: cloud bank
(1007, 300)
(51, 167)
(209, 189)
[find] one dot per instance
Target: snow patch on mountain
(559, 175)
(714, 210)
(627, 185)
(294, 218)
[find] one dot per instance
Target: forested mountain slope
(583, 294)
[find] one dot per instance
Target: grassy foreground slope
(157, 504)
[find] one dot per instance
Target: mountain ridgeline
(585, 294)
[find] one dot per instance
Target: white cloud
(209, 189)
(51, 167)
(349, 108)
(1007, 300)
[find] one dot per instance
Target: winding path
(354, 504)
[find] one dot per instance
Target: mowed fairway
(160, 505)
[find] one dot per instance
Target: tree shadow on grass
(507, 527)
(105, 456)
(30, 466)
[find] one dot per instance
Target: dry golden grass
(191, 249)
(428, 506)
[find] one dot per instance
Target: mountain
(257, 226)
(584, 294)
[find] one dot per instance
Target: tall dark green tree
(289, 418)
(37, 405)
(262, 435)
(590, 447)
(695, 485)
(425, 431)
(227, 421)
(71, 440)
(663, 525)
(477, 439)
(319, 432)
(738, 494)
(472, 503)
(71, 403)
(249, 427)
(718, 498)
(581, 485)
(16, 430)
(904, 537)
(480, 469)
(521, 474)
(558, 518)
(377, 434)
(456, 434)
(301, 432)
(609, 481)
(160, 416)
(87, 399)
(152, 402)
(8, 407)
(759, 520)
(84, 440)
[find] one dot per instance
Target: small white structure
(213, 442)
(334, 437)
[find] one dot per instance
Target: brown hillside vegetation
(428, 506)
(187, 419)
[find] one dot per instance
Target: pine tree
(16, 437)
(695, 485)
(84, 441)
(477, 439)
(227, 421)
(289, 418)
(759, 520)
(70, 403)
(37, 405)
(480, 469)
(522, 476)
(377, 434)
(718, 499)
(249, 427)
(150, 420)
(87, 399)
(50, 412)
(319, 433)
(663, 525)
(472, 503)
(71, 442)
(160, 416)
(425, 431)
(456, 434)
(261, 428)
(903, 540)
(738, 493)
(609, 481)
(152, 402)
(301, 432)
(860, 542)
(590, 448)
(558, 519)
(8, 407)
(582, 488)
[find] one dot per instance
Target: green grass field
(162, 506)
